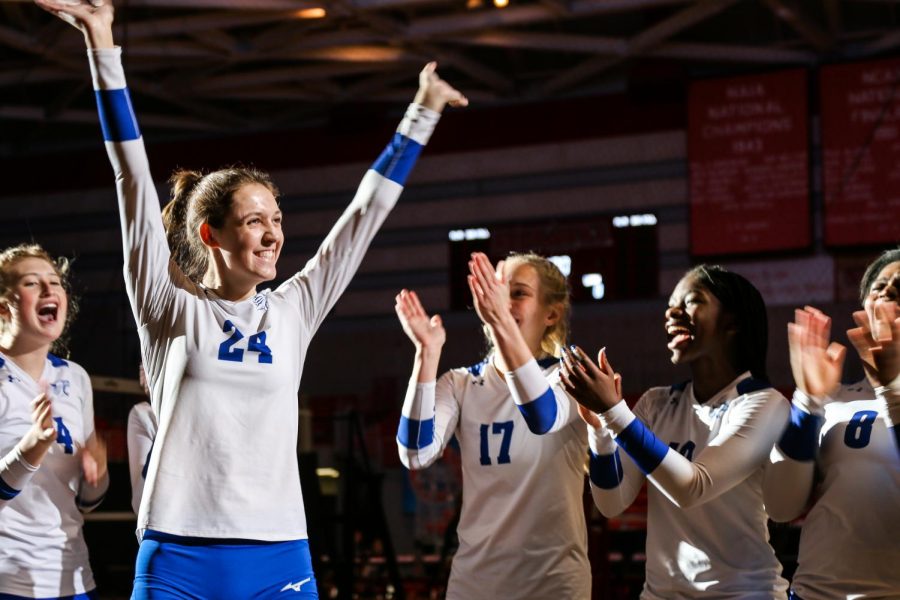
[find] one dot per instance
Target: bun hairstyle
(198, 199)
(61, 265)
(744, 303)
(875, 267)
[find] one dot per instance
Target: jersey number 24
(256, 343)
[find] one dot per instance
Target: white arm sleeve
(427, 423)
(742, 446)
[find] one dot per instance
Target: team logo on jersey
(13, 379)
(295, 586)
(261, 301)
(61, 387)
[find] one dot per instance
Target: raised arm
(147, 276)
(741, 447)
(327, 274)
(816, 364)
(545, 407)
(428, 418)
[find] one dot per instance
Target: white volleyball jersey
(522, 532)
(849, 542)
(42, 550)
(141, 433)
(707, 533)
(224, 375)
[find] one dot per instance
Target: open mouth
(265, 254)
(679, 336)
(48, 313)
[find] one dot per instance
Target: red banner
(749, 164)
(861, 152)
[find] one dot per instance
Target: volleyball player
(841, 454)
(522, 532)
(702, 444)
(52, 467)
(221, 514)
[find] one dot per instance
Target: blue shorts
(91, 595)
(171, 566)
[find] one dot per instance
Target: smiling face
(884, 289)
(250, 239)
(696, 325)
(35, 308)
(526, 305)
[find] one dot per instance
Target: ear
(206, 236)
(553, 315)
(5, 313)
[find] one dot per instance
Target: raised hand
(93, 460)
(424, 331)
(596, 387)
(93, 18)
(816, 363)
(880, 353)
(435, 93)
(490, 290)
(37, 441)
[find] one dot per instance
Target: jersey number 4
(256, 343)
(63, 436)
(504, 429)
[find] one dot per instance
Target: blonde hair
(554, 291)
(61, 265)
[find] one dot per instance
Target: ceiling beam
(790, 12)
(651, 37)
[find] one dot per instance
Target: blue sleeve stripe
(799, 439)
(540, 414)
(415, 434)
(605, 470)
(117, 118)
(398, 158)
(642, 446)
(7, 492)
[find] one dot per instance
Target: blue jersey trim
(478, 369)
(546, 363)
(799, 439)
(896, 429)
(750, 385)
(6, 491)
(642, 446)
(57, 361)
(91, 595)
(117, 118)
(2, 361)
(398, 158)
(540, 414)
(605, 470)
(679, 387)
(415, 434)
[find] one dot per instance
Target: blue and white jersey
(845, 461)
(42, 550)
(224, 374)
(707, 533)
(522, 533)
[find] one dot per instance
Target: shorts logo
(295, 586)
